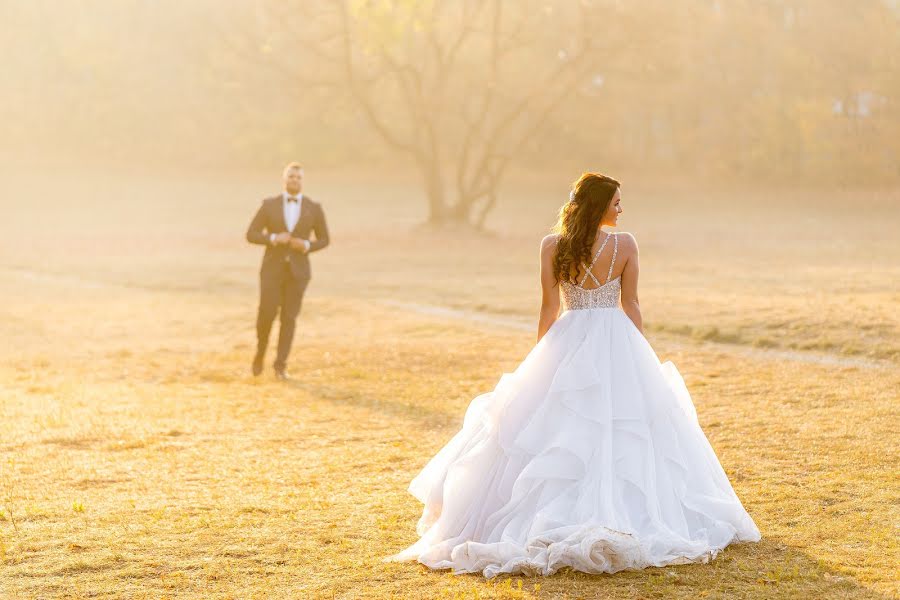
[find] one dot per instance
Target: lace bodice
(578, 298)
(606, 295)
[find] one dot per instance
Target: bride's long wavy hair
(578, 221)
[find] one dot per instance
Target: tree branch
(362, 99)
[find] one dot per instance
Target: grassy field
(139, 459)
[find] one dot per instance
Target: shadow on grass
(766, 570)
(427, 416)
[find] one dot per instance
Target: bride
(589, 455)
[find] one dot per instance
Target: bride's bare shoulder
(548, 244)
(627, 241)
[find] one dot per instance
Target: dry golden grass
(139, 459)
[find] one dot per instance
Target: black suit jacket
(269, 219)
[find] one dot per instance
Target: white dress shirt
(291, 209)
(291, 214)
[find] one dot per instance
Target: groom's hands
(281, 238)
(286, 239)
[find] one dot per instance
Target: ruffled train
(588, 456)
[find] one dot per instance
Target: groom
(283, 225)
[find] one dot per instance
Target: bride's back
(596, 287)
(609, 261)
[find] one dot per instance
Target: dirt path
(749, 351)
(507, 322)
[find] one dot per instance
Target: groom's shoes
(258, 364)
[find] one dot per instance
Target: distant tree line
(464, 90)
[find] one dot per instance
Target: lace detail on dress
(576, 297)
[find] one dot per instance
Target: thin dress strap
(615, 252)
(587, 270)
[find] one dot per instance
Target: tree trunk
(434, 191)
(463, 213)
(440, 212)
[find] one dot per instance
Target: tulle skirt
(589, 455)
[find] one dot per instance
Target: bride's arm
(630, 303)
(549, 287)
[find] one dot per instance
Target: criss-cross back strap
(613, 261)
(587, 270)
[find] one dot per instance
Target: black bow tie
(293, 199)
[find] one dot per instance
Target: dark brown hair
(578, 221)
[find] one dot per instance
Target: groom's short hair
(290, 166)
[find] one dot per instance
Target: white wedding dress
(588, 456)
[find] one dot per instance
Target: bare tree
(457, 85)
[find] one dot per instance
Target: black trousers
(280, 291)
